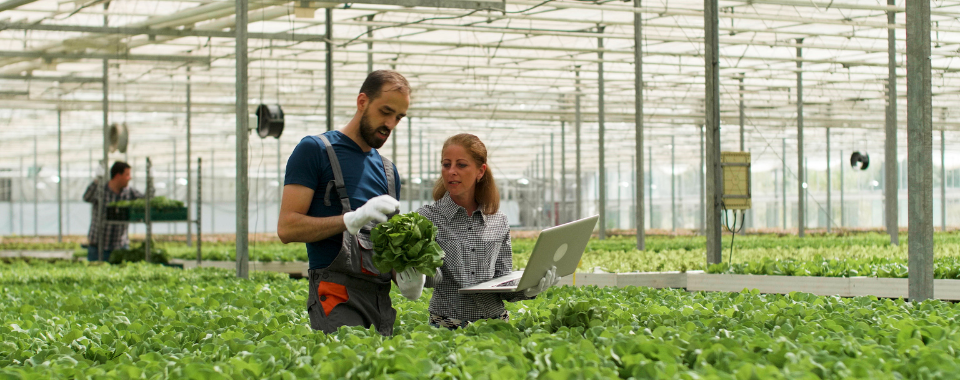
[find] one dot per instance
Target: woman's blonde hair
(486, 193)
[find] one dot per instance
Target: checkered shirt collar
(449, 208)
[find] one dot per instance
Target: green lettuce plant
(404, 241)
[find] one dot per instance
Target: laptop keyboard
(508, 283)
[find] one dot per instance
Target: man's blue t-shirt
(362, 174)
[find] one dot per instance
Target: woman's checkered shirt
(477, 249)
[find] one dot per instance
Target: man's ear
(362, 102)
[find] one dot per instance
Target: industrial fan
(269, 120)
(118, 137)
(860, 160)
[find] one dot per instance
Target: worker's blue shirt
(362, 174)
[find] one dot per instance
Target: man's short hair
(118, 168)
(373, 85)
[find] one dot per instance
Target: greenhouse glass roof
(513, 77)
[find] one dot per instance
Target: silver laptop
(562, 246)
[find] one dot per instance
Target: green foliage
(156, 203)
(405, 241)
(67, 321)
(264, 252)
(24, 246)
(663, 253)
(947, 268)
(138, 253)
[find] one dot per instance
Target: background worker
(116, 189)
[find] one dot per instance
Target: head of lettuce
(405, 241)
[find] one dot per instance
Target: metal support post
(420, 172)
(829, 205)
(702, 214)
(173, 181)
(67, 216)
(11, 201)
(943, 182)
(553, 189)
(20, 182)
(59, 177)
(189, 167)
(563, 172)
(101, 196)
(242, 192)
(776, 193)
(638, 122)
(36, 194)
(146, 212)
(579, 180)
(673, 185)
(742, 142)
(410, 164)
(543, 182)
(199, 208)
(650, 183)
(919, 152)
(746, 218)
(213, 193)
(280, 177)
(393, 151)
(843, 215)
(805, 186)
(712, 122)
(426, 172)
(600, 116)
(890, 179)
(633, 194)
(783, 185)
(370, 46)
(329, 66)
(801, 205)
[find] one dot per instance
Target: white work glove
(549, 279)
(376, 209)
(411, 283)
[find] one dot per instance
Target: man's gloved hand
(549, 279)
(411, 283)
(375, 209)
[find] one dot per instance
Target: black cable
(733, 236)
(734, 230)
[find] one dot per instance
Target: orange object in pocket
(331, 294)
(366, 246)
(364, 270)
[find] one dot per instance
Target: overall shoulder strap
(391, 179)
(337, 175)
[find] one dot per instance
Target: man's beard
(369, 133)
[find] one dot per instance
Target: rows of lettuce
(139, 321)
(828, 255)
(945, 268)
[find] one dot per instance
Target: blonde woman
(474, 235)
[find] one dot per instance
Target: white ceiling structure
(510, 77)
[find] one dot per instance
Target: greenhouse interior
(716, 189)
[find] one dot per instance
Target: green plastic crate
(160, 215)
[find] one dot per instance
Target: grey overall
(351, 291)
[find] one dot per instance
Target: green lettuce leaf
(405, 241)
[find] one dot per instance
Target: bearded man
(337, 187)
